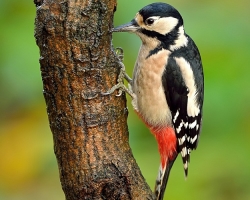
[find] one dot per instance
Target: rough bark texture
(89, 130)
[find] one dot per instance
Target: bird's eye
(150, 21)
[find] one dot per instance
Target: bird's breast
(150, 100)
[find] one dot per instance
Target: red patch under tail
(167, 142)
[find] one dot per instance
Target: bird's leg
(122, 75)
(120, 85)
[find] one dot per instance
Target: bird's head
(158, 20)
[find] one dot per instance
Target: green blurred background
(219, 169)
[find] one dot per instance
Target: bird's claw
(115, 87)
(120, 85)
(122, 75)
(121, 88)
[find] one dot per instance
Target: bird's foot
(122, 75)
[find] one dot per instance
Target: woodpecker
(167, 87)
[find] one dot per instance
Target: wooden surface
(89, 130)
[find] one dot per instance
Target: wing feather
(183, 86)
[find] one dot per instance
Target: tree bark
(90, 132)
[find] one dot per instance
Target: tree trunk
(89, 130)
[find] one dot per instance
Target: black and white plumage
(183, 83)
(167, 85)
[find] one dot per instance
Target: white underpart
(188, 76)
(181, 40)
(150, 100)
(162, 25)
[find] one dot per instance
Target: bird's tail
(162, 179)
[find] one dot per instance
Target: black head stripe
(160, 9)
(166, 40)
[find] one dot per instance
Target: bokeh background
(219, 169)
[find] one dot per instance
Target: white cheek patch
(165, 25)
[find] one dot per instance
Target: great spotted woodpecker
(167, 87)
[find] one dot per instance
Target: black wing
(179, 98)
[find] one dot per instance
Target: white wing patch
(178, 130)
(181, 140)
(176, 115)
(188, 76)
(193, 139)
(192, 125)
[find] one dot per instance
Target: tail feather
(162, 179)
(185, 154)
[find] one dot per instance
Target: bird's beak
(129, 27)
